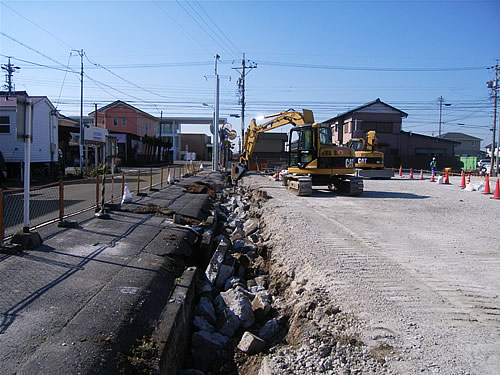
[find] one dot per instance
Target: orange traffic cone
(487, 185)
(462, 184)
(411, 173)
(432, 177)
(447, 178)
(422, 174)
(497, 192)
(401, 171)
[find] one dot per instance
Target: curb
(173, 331)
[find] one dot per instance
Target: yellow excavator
(369, 160)
(313, 158)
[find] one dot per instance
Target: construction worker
(433, 165)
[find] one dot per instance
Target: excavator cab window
(301, 147)
(356, 145)
(325, 136)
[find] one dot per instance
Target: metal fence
(63, 199)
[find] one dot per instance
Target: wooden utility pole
(241, 86)
(493, 85)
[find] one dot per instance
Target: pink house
(120, 117)
(129, 125)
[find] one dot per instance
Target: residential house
(399, 147)
(469, 145)
(44, 144)
(128, 124)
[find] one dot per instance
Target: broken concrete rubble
(251, 344)
(238, 282)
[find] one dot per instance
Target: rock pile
(235, 310)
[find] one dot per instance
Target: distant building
(199, 144)
(469, 145)
(270, 151)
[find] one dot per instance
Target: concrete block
(205, 309)
(28, 240)
(251, 344)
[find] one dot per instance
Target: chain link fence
(60, 200)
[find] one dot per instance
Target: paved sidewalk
(87, 294)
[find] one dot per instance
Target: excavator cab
(302, 149)
(357, 144)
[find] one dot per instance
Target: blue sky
(328, 56)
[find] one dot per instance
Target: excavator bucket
(308, 116)
(237, 171)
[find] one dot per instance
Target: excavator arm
(278, 119)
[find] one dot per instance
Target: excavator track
(350, 185)
(300, 185)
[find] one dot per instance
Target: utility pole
(241, 87)
(82, 139)
(493, 85)
(441, 113)
(10, 69)
(216, 120)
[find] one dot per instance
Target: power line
(207, 32)
(38, 52)
(40, 27)
(124, 79)
(365, 68)
(64, 80)
(233, 46)
(180, 26)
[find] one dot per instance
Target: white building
(44, 144)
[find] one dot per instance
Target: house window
(124, 121)
(4, 124)
(115, 122)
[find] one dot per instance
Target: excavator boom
(278, 119)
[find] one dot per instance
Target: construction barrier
(61, 200)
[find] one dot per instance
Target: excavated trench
(252, 316)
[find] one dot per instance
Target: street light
(215, 141)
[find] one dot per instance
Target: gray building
(270, 151)
(468, 146)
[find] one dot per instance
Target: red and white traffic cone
(447, 178)
(432, 177)
(487, 185)
(462, 184)
(401, 171)
(422, 174)
(497, 192)
(411, 173)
